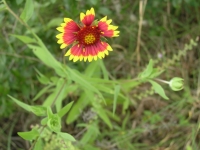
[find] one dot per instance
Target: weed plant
(143, 96)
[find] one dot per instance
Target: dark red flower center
(88, 35)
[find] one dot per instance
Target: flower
(85, 38)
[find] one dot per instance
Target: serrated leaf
(30, 135)
(158, 89)
(21, 104)
(66, 136)
(28, 10)
(65, 109)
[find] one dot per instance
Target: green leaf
(55, 22)
(158, 89)
(156, 72)
(78, 78)
(24, 38)
(41, 92)
(147, 72)
(57, 95)
(39, 145)
(28, 10)
(91, 134)
(49, 112)
(113, 116)
(42, 78)
(45, 56)
(2, 7)
(66, 90)
(104, 70)
(91, 69)
(102, 114)
(116, 93)
(19, 2)
(39, 110)
(93, 2)
(21, 104)
(30, 135)
(44, 121)
(77, 108)
(66, 136)
(65, 109)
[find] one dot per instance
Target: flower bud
(176, 84)
(54, 123)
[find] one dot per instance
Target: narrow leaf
(49, 112)
(39, 145)
(45, 56)
(158, 89)
(147, 72)
(104, 70)
(66, 136)
(24, 38)
(39, 110)
(65, 109)
(30, 135)
(28, 10)
(44, 121)
(116, 93)
(77, 108)
(21, 104)
(102, 114)
(41, 92)
(77, 77)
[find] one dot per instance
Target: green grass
(114, 108)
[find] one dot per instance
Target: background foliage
(103, 105)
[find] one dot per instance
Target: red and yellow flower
(85, 38)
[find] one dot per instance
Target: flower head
(85, 38)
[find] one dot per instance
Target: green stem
(59, 93)
(33, 145)
(163, 81)
(19, 19)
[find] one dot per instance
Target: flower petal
(110, 33)
(75, 52)
(68, 30)
(69, 26)
(107, 29)
(87, 18)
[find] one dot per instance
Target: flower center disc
(88, 35)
